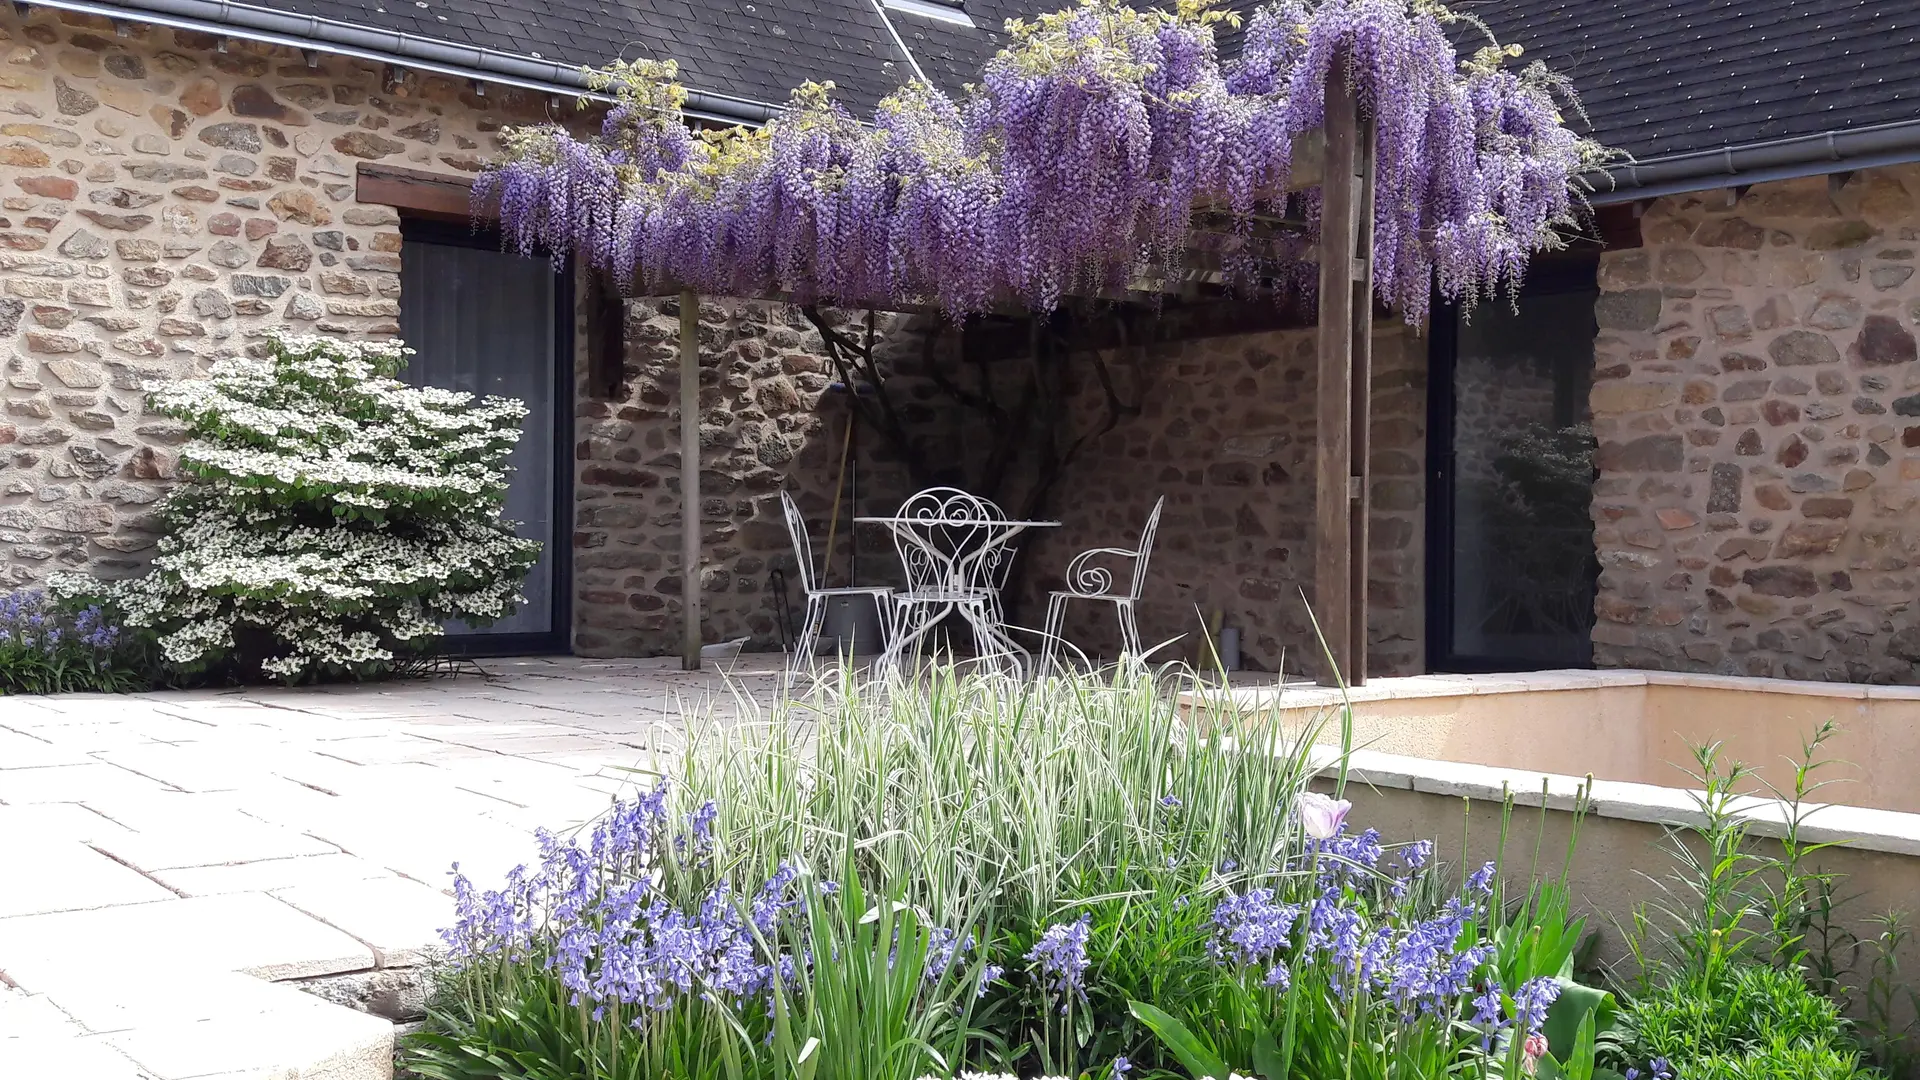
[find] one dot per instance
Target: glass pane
(482, 321)
(1523, 562)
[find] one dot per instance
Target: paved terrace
(172, 864)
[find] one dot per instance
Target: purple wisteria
(1079, 162)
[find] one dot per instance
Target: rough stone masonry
(163, 200)
(1757, 406)
(166, 197)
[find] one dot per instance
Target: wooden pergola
(1340, 161)
(1344, 171)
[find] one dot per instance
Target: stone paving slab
(249, 932)
(163, 854)
(398, 918)
(47, 875)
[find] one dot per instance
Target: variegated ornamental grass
(333, 518)
(1056, 878)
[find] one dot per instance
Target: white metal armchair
(817, 596)
(1089, 579)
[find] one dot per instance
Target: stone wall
(1227, 435)
(1755, 403)
(163, 201)
(767, 421)
(165, 198)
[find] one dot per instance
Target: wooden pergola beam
(1344, 394)
(690, 480)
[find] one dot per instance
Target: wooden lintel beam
(420, 192)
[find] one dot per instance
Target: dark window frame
(557, 641)
(1572, 271)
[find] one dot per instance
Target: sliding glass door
(1511, 563)
(487, 322)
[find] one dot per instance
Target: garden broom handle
(839, 485)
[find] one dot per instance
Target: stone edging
(1855, 827)
(1433, 686)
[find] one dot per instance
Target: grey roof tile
(1658, 77)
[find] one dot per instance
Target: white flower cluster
(336, 515)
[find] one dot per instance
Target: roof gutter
(1757, 163)
(227, 19)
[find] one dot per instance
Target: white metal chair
(817, 596)
(950, 545)
(1088, 580)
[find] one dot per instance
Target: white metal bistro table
(954, 565)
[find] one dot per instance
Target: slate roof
(1663, 77)
(1658, 77)
(752, 49)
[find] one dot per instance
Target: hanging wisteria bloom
(1081, 160)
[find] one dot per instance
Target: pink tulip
(1321, 816)
(1532, 1051)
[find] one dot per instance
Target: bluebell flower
(988, 975)
(943, 949)
(1531, 1002)
(1171, 803)
(1061, 956)
(1250, 929)
(1480, 882)
(1121, 1067)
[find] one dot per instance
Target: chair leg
(1050, 643)
(909, 623)
(809, 640)
(989, 641)
(1129, 630)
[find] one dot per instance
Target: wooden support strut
(1344, 398)
(690, 479)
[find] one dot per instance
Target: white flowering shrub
(333, 517)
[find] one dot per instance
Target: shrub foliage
(334, 517)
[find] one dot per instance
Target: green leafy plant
(1742, 965)
(1740, 1009)
(50, 644)
(1890, 1040)
(333, 519)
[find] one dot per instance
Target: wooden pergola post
(1344, 403)
(690, 479)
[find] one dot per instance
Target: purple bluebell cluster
(1347, 858)
(31, 621)
(1359, 935)
(1251, 930)
(1060, 959)
(595, 917)
(944, 949)
(48, 649)
(1077, 160)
